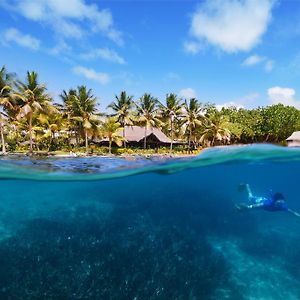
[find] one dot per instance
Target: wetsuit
(268, 204)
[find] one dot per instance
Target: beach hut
(135, 137)
(294, 139)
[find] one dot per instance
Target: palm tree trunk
(190, 137)
(213, 141)
(86, 142)
(17, 135)
(109, 146)
(50, 141)
(2, 139)
(124, 142)
(77, 136)
(145, 137)
(30, 133)
(268, 135)
(171, 146)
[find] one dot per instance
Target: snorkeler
(276, 202)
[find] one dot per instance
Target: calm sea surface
(106, 228)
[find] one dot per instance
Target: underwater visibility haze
(109, 228)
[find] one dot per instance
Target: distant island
(31, 121)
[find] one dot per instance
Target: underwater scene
(111, 228)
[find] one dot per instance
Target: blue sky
(242, 52)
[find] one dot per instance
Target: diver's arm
(250, 195)
(294, 213)
(256, 205)
(243, 206)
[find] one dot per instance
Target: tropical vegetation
(31, 120)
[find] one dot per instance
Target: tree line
(29, 117)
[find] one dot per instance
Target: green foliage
(111, 129)
(31, 98)
(170, 115)
(265, 124)
(148, 113)
(193, 118)
(80, 106)
(28, 116)
(122, 109)
(216, 129)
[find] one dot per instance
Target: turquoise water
(106, 228)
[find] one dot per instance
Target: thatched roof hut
(294, 139)
(135, 137)
(137, 134)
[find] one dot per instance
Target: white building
(294, 139)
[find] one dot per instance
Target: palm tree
(6, 81)
(33, 98)
(193, 117)
(171, 111)
(110, 129)
(122, 111)
(148, 113)
(68, 98)
(10, 104)
(51, 123)
(3, 123)
(84, 110)
(217, 128)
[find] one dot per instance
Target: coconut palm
(69, 101)
(122, 111)
(148, 113)
(9, 104)
(122, 108)
(31, 97)
(52, 124)
(193, 117)
(217, 128)
(111, 129)
(170, 112)
(84, 110)
(3, 123)
(6, 81)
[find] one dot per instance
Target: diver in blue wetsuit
(276, 202)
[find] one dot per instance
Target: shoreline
(83, 155)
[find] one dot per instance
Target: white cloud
(72, 18)
(257, 60)
(60, 47)
(284, 96)
(269, 65)
(25, 40)
(229, 104)
(253, 60)
(192, 47)
(68, 29)
(232, 25)
(187, 93)
(100, 77)
(105, 54)
(241, 102)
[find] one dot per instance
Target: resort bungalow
(135, 137)
(294, 139)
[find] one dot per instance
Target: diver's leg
(293, 213)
